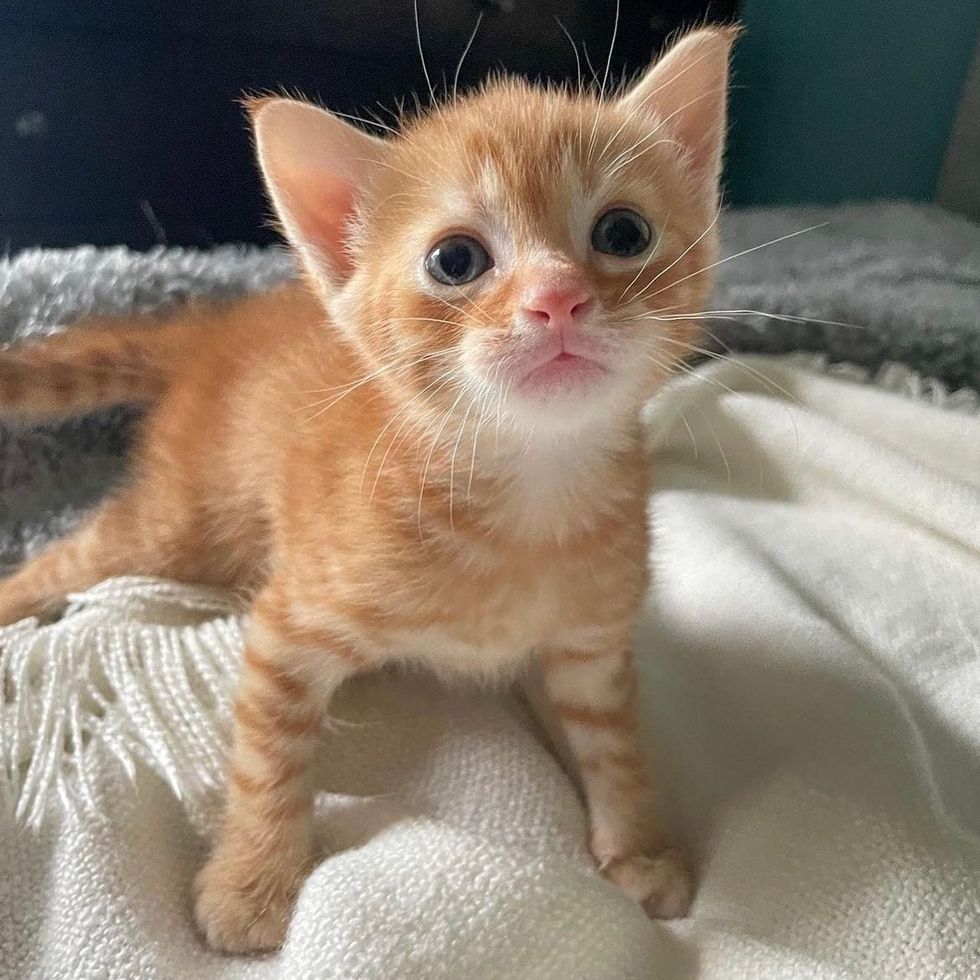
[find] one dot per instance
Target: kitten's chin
(568, 395)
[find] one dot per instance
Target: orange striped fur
(364, 454)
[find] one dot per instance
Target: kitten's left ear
(315, 166)
(686, 92)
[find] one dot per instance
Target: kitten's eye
(621, 232)
(456, 260)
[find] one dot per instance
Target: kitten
(430, 449)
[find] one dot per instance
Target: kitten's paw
(661, 884)
(241, 909)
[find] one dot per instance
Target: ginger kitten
(428, 450)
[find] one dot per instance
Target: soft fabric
(899, 281)
(810, 661)
(810, 685)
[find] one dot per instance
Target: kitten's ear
(314, 166)
(686, 92)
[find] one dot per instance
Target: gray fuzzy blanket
(906, 280)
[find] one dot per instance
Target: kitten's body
(349, 453)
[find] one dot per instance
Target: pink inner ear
(314, 166)
(323, 216)
(687, 91)
(700, 125)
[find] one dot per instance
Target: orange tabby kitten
(430, 451)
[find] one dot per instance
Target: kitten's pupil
(621, 232)
(456, 260)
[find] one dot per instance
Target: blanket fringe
(137, 671)
(141, 670)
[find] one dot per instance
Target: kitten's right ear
(314, 166)
(685, 94)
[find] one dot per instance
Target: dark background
(119, 120)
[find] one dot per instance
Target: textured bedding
(900, 284)
(809, 657)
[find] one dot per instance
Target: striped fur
(360, 453)
(84, 370)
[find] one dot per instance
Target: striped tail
(90, 367)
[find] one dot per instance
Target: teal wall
(837, 100)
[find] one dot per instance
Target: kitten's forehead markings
(512, 216)
(590, 194)
(494, 202)
(490, 189)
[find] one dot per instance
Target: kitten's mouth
(561, 372)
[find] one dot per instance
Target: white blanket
(811, 683)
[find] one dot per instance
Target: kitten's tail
(107, 362)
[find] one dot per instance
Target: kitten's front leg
(245, 893)
(593, 694)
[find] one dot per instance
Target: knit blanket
(810, 681)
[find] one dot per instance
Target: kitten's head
(525, 252)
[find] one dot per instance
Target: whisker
(320, 391)
(625, 157)
(682, 365)
(630, 116)
(426, 319)
(333, 401)
(646, 315)
(669, 368)
(578, 61)
(747, 368)
(683, 71)
(464, 313)
(642, 293)
(664, 123)
(388, 166)
(485, 413)
(367, 122)
(689, 370)
(462, 57)
(737, 255)
(653, 251)
(418, 38)
(469, 299)
(721, 449)
(768, 384)
(432, 449)
(468, 317)
(690, 432)
(588, 61)
(718, 90)
(374, 374)
(501, 395)
(405, 406)
(612, 46)
(615, 169)
(611, 166)
(713, 336)
(787, 317)
(476, 440)
(442, 381)
(602, 87)
(452, 461)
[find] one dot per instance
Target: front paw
(243, 906)
(661, 884)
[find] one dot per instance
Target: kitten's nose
(557, 304)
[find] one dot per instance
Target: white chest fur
(484, 603)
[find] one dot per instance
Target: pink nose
(557, 305)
